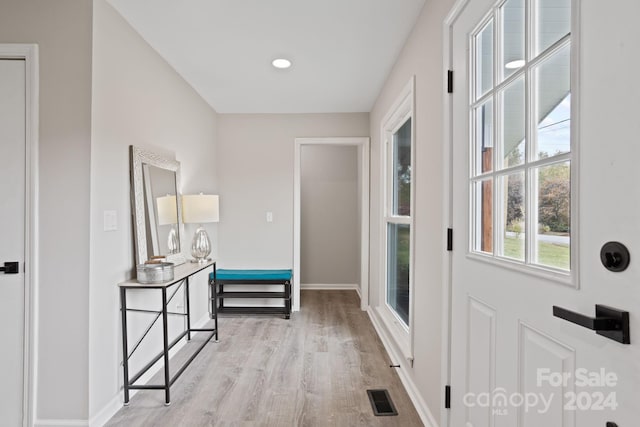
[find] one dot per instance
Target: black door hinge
(447, 397)
(449, 81)
(449, 239)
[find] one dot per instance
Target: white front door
(545, 105)
(12, 238)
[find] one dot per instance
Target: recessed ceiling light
(518, 63)
(281, 63)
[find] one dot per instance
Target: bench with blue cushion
(226, 277)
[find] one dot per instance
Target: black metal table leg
(125, 349)
(214, 303)
(213, 290)
(186, 298)
(165, 336)
(287, 301)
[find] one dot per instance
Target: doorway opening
(360, 145)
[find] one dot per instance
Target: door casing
(362, 143)
(447, 206)
(29, 53)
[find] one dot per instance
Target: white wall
(62, 29)
(138, 99)
(330, 216)
(256, 176)
(422, 57)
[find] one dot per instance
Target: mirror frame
(138, 157)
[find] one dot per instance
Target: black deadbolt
(615, 256)
(610, 424)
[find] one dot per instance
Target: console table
(182, 274)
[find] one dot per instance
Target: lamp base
(172, 241)
(200, 246)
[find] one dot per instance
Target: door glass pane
(553, 89)
(398, 254)
(512, 36)
(484, 138)
(553, 21)
(513, 124)
(554, 215)
(520, 194)
(402, 170)
(484, 59)
(483, 215)
(513, 216)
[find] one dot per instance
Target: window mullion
(394, 219)
(550, 51)
(529, 26)
(498, 232)
(559, 158)
(497, 195)
(529, 134)
(498, 212)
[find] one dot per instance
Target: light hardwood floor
(311, 370)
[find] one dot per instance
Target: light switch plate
(110, 220)
(269, 216)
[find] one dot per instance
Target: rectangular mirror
(156, 205)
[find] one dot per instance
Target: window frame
(531, 162)
(402, 110)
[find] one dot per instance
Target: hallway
(312, 370)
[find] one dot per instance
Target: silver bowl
(155, 272)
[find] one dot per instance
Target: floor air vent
(381, 402)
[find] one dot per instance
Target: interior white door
(12, 231)
(512, 362)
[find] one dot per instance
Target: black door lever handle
(593, 323)
(11, 268)
(609, 322)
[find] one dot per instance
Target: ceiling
(342, 50)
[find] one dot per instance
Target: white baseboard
(108, 411)
(395, 356)
(329, 287)
(116, 403)
(60, 423)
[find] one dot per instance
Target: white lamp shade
(200, 208)
(167, 210)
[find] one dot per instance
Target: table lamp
(200, 209)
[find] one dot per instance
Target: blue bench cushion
(224, 274)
